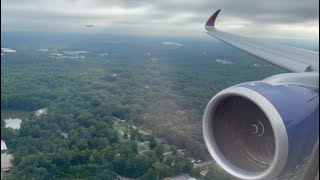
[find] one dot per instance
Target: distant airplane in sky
(89, 25)
(268, 129)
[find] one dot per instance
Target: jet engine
(257, 130)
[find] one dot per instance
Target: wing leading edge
(290, 58)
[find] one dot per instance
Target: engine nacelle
(257, 130)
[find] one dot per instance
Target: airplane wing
(257, 157)
(290, 58)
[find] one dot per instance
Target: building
(181, 152)
(6, 164)
(203, 173)
(4, 148)
(181, 177)
(40, 112)
(6, 160)
(118, 119)
(65, 135)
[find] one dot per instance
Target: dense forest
(149, 85)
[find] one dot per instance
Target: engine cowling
(257, 130)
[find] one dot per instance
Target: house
(181, 177)
(40, 112)
(65, 135)
(118, 119)
(203, 173)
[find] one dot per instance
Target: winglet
(212, 19)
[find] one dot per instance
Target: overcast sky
(256, 18)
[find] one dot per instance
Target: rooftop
(13, 123)
(182, 177)
(3, 145)
(40, 112)
(6, 161)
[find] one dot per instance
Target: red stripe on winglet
(214, 17)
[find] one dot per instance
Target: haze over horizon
(286, 19)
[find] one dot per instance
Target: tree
(152, 142)
(159, 150)
(216, 172)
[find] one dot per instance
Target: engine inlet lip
(278, 127)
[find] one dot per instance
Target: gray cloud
(165, 17)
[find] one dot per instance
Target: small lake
(13, 118)
(13, 123)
